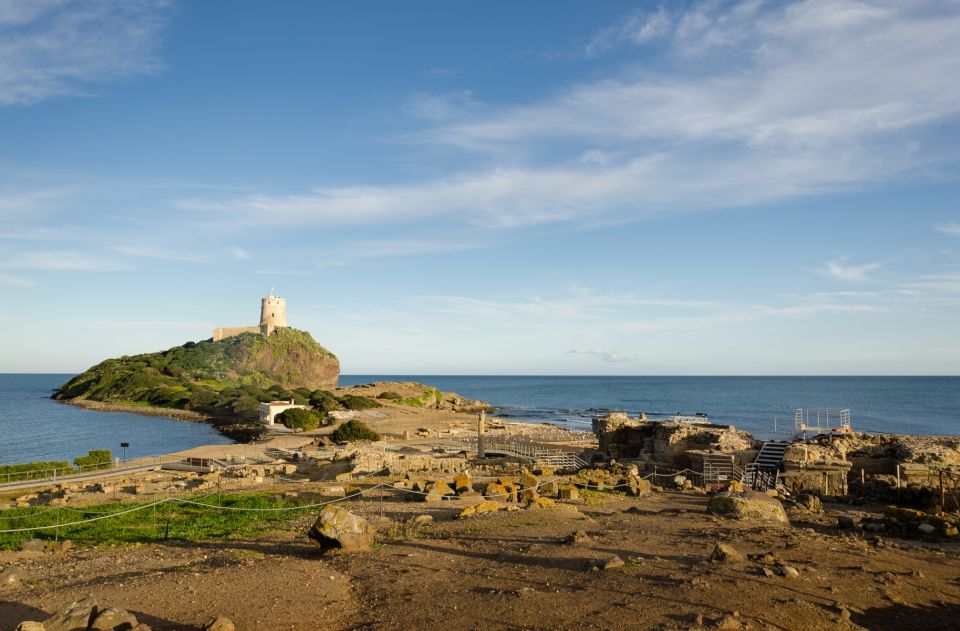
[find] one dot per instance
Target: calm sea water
(34, 427)
(903, 405)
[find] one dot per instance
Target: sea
(35, 427)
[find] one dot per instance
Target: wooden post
(943, 499)
(826, 483)
(898, 476)
(863, 477)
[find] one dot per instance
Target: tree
(299, 418)
(353, 430)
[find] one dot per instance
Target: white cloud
(8, 280)
(438, 107)
(160, 253)
(607, 356)
(850, 273)
(634, 28)
(950, 228)
(747, 103)
(58, 261)
(52, 48)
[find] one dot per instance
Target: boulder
(11, 577)
(29, 625)
(725, 553)
(462, 484)
(74, 617)
(612, 563)
(810, 502)
(481, 508)
(845, 522)
(438, 490)
(569, 492)
(218, 624)
(751, 505)
(113, 619)
(496, 492)
(338, 528)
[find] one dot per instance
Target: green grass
(175, 521)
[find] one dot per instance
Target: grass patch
(173, 520)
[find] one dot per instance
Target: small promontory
(226, 378)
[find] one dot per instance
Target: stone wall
(223, 332)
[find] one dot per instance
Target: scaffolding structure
(816, 421)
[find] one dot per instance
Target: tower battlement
(273, 314)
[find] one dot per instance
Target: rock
(462, 484)
(751, 505)
(577, 537)
(612, 563)
(542, 502)
(845, 522)
(29, 625)
(75, 617)
(789, 572)
(11, 577)
(810, 502)
(679, 480)
(766, 572)
(142, 627)
(569, 492)
(927, 529)
(33, 545)
(338, 528)
(728, 621)
(481, 508)
(218, 624)
(112, 619)
(725, 553)
(422, 520)
(496, 492)
(438, 490)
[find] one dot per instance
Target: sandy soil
(515, 571)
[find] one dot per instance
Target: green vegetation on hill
(227, 379)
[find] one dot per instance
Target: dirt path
(514, 571)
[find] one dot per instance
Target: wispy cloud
(638, 27)
(950, 228)
(607, 356)
(160, 253)
(8, 280)
(440, 107)
(52, 48)
(59, 261)
(740, 104)
(850, 273)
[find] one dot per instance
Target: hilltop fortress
(273, 314)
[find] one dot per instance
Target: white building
(269, 411)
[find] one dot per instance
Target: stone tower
(273, 312)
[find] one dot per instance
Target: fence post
(943, 499)
(56, 533)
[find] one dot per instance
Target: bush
(31, 470)
(390, 396)
(353, 430)
(298, 418)
(324, 401)
(353, 402)
(95, 459)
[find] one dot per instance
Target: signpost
(124, 446)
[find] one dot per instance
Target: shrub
(324, 401)
(298, 418)
(390, 396)
(95, 459)
(353, 402)
(31, 470)
(353, 430)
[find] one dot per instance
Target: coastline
(144, 410)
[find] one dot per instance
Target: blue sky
(486, 187)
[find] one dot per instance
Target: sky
(496, 187)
